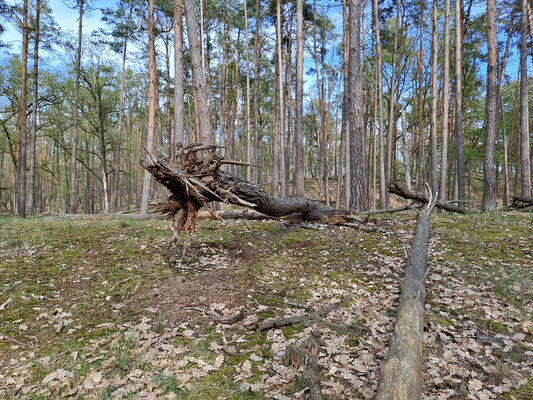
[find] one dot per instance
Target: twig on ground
(217, 317)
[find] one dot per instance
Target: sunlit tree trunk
(489, 183)
(256, 94)
(420, 163)
(152, 98)
(200, 86)
(248, 132)
(359, 195)
(21, 201)
(524, 102)
(434, 174)
(299, 103)
(179, 76)
(445, 104)
(35, 102)
(73, 176)
(459, 141)
(382, 173)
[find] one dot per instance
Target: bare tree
(459, 141)
(256, 93)
(35, 102)
(420, 164)
(489, 181)
(248, 133)
(152, 98)
(359, 197)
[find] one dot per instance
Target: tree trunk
(346, 101)
(200, 87)
(445, 104)
(358, 188)
(421, 197)
(406, 152)
(120, 112)
(524, 103)
(434, 172)
(248, 132)
(392, 121)
(21, 200)
(401, 375)
(382, 174)
(489, 184)
(73, 176)
(256, 94)
(35, 101)
(459, 141)
(179, 76)
(420, 163)
(299, 103)
(152, 98)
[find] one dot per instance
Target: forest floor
(98, 308)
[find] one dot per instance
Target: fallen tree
(401, 375)
(421, 197)
(521, 202)
(194, 177)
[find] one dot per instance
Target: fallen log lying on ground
(401, 375)
(521, 202)
(413, 195)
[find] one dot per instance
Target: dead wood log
(521, 202)
(298, 319)
(217, 317)
(401, 375)
(413, 195)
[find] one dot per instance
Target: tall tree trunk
(382, 177)
(200, 87)
(524, 103)
(299, 103)
(21, 200)
(459, 141)
(445, 104)
(420, 163)
(434, 173)
(120, 115)
(392, 121)
(248, 132)
(345, 100)
(152, 98)
(167, 88)
(73, 176)
(35, 102)
(256, 94)
(280, 126)
(406, 151)
(489, 184)
(179, 76)
(506, 194)
(359, 195)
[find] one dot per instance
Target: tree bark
(299, 103)
(382, 176)
(445, 104)
(489, 183)
(359, 197)
(401, 375)
(200, 86)
(151, 104)
(524, 103)
(21, 200)
(345, 100)
(459, 141)
(73, 175)
(420, 163)
(434, 173)
(179, 76)
(35, 102)
(248, 132)
(256, 94)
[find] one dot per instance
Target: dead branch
(3, 336)
(298, 319)
(217, 317)
(413, 195)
